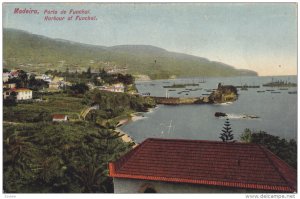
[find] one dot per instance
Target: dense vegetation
(286, 150)
(112, 105)
(59, 158)
(39, 53)
(71, 157)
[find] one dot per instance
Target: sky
(256, 36)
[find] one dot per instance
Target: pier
(179, 100)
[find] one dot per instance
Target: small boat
(283, 89)
(269, 90)
(260, 91)
(275, 92)
(171, 90)
(292, 92)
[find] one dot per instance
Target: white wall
(24, 95)
(122, 185)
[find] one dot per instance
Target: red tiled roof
(59, 116)
(238, 165)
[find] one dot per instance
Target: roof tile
(238, 165)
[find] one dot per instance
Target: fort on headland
(224, 93)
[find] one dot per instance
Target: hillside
(39, 53)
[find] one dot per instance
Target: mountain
(32, 52)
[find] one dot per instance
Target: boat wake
(241, 116)
(224, 104)
(235, 116)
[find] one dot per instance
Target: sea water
(277, 112)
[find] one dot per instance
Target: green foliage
(112, 104)
(246, 136)
(59, 158)
(57, 103)
(79, 88)
(11, 100)
(37, 84)
(286, 150)
(227, 135)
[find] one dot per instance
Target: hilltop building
(195, 166)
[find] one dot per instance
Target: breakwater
(179, 100)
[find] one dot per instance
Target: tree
(246, 136)
(11, 100)
(89, 72)
(23, 77)
(286, 150)
(227, 135)
(79, 88)
(19, 161)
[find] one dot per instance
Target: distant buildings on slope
(118, 88)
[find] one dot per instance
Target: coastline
(126, 138)
(132, 118)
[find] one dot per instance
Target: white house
(44, 77)
(197, 166)
(21, 93)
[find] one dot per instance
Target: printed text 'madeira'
(25, 11)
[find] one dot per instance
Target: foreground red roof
(238, 165)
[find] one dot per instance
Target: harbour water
(276, 109)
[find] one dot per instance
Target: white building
(21, 93)
(60, 118)
(44, 77)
